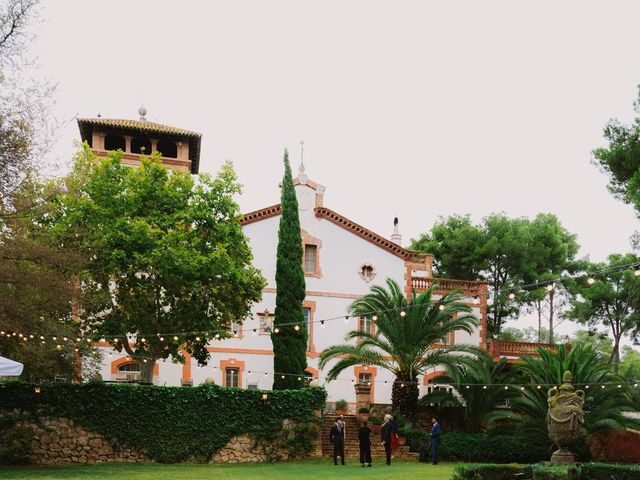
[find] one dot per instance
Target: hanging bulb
(265, 374)
(521, 388)
(217, 335)
(512, 296)
(441, 307)
(276, 330)
(115, 340)
(143, 339)
(296, 328)
(374, 318)
(52, 338)
(41, 337)
(484, 387)
(467, 387)
(282, 376)
(58, 347)
(175, 338)
(591, 280)
(550, 287)
(402, 313)
(321, 323)
(255, 332)
(162, 339)
(197, 339)
(346, 319)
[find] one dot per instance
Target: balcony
(512, 351)
(446, 285)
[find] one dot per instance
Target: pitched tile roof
(142, 126)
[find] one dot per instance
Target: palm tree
(409, 339)
(605, 408)
(479, 391)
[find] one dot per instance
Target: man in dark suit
(389, 430)
(436, 431)
(336, 436)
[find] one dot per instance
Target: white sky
(415, 109)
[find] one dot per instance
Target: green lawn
(316, 469)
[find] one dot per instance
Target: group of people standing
(389, 439)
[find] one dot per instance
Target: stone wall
(60, 440)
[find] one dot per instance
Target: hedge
(481, 447)
(603, 471)
(489, 472)
(584, 471)
(171, 424)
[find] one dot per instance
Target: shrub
(489, 472)
(560, 472)
(15, 445)
(363, 410)
(342, 404)
(376, 420)
(418, 441)
(480, 447)
(603, 471)
(169, 424)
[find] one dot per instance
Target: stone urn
(565, 416)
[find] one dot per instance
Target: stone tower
(180, 148)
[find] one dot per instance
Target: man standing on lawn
(436, 431)
(336, 436)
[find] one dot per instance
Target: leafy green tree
(611, 300)
(407, 341)
(455, 243)
(528, 334)
(478, 391)
(168, 266)
(605, 407)
(506, 253)
(290, 341)
(620, 159)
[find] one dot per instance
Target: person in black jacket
(336, 436)
(364, 436)
(389, 430)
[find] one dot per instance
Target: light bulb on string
(374, 318)
(162, 339)
(484, 387)
(276, 330)
(512, 296)
(402, 313)
(591, 280)
(52, 338)
(175, 338)
(296, 328)
(282, 376)
(197, 339)
(441, 307)
(346, 319)
(255, 332)
(321, 323)
(550, 287)
(41, 337)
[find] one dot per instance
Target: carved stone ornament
(565, 417)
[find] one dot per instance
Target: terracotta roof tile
(139, 125)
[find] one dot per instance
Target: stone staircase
(351, 444)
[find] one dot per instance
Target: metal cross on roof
(302, 156)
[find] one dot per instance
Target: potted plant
(342, 407)
(376, 422)
(363, 412)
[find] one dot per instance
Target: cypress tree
(289, 344)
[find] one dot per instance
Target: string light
(296, 328)
(276, 330)
(402, 313)
(374, 318)
(512, 296)
(441, 307)
(175, 338)
(591, 280)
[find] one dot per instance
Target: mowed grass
(316, 469)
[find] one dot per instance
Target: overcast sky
(415, 109)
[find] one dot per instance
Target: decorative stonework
(565, 417)
(60, 440)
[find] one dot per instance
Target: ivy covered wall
(171, 424)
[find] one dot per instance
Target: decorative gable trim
(370, 236)
(262, 214)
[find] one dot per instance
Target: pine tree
(289, 343)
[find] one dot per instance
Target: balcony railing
(420, 284)
(503, 348)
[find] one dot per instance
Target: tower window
(168, 148)
(114, 142)
(141, 145)
(232, 377)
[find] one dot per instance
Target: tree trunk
(404, 397)
(551, 316)
(147, 370)
(539, 308)
(614, 359)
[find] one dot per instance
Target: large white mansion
(342, 260)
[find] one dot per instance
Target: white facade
(342, 249)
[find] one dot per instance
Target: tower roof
(86, 126)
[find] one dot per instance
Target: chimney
(395, 236)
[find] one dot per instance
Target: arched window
(168, 148)
(130, 367)
(114, 142)
(141, 145)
